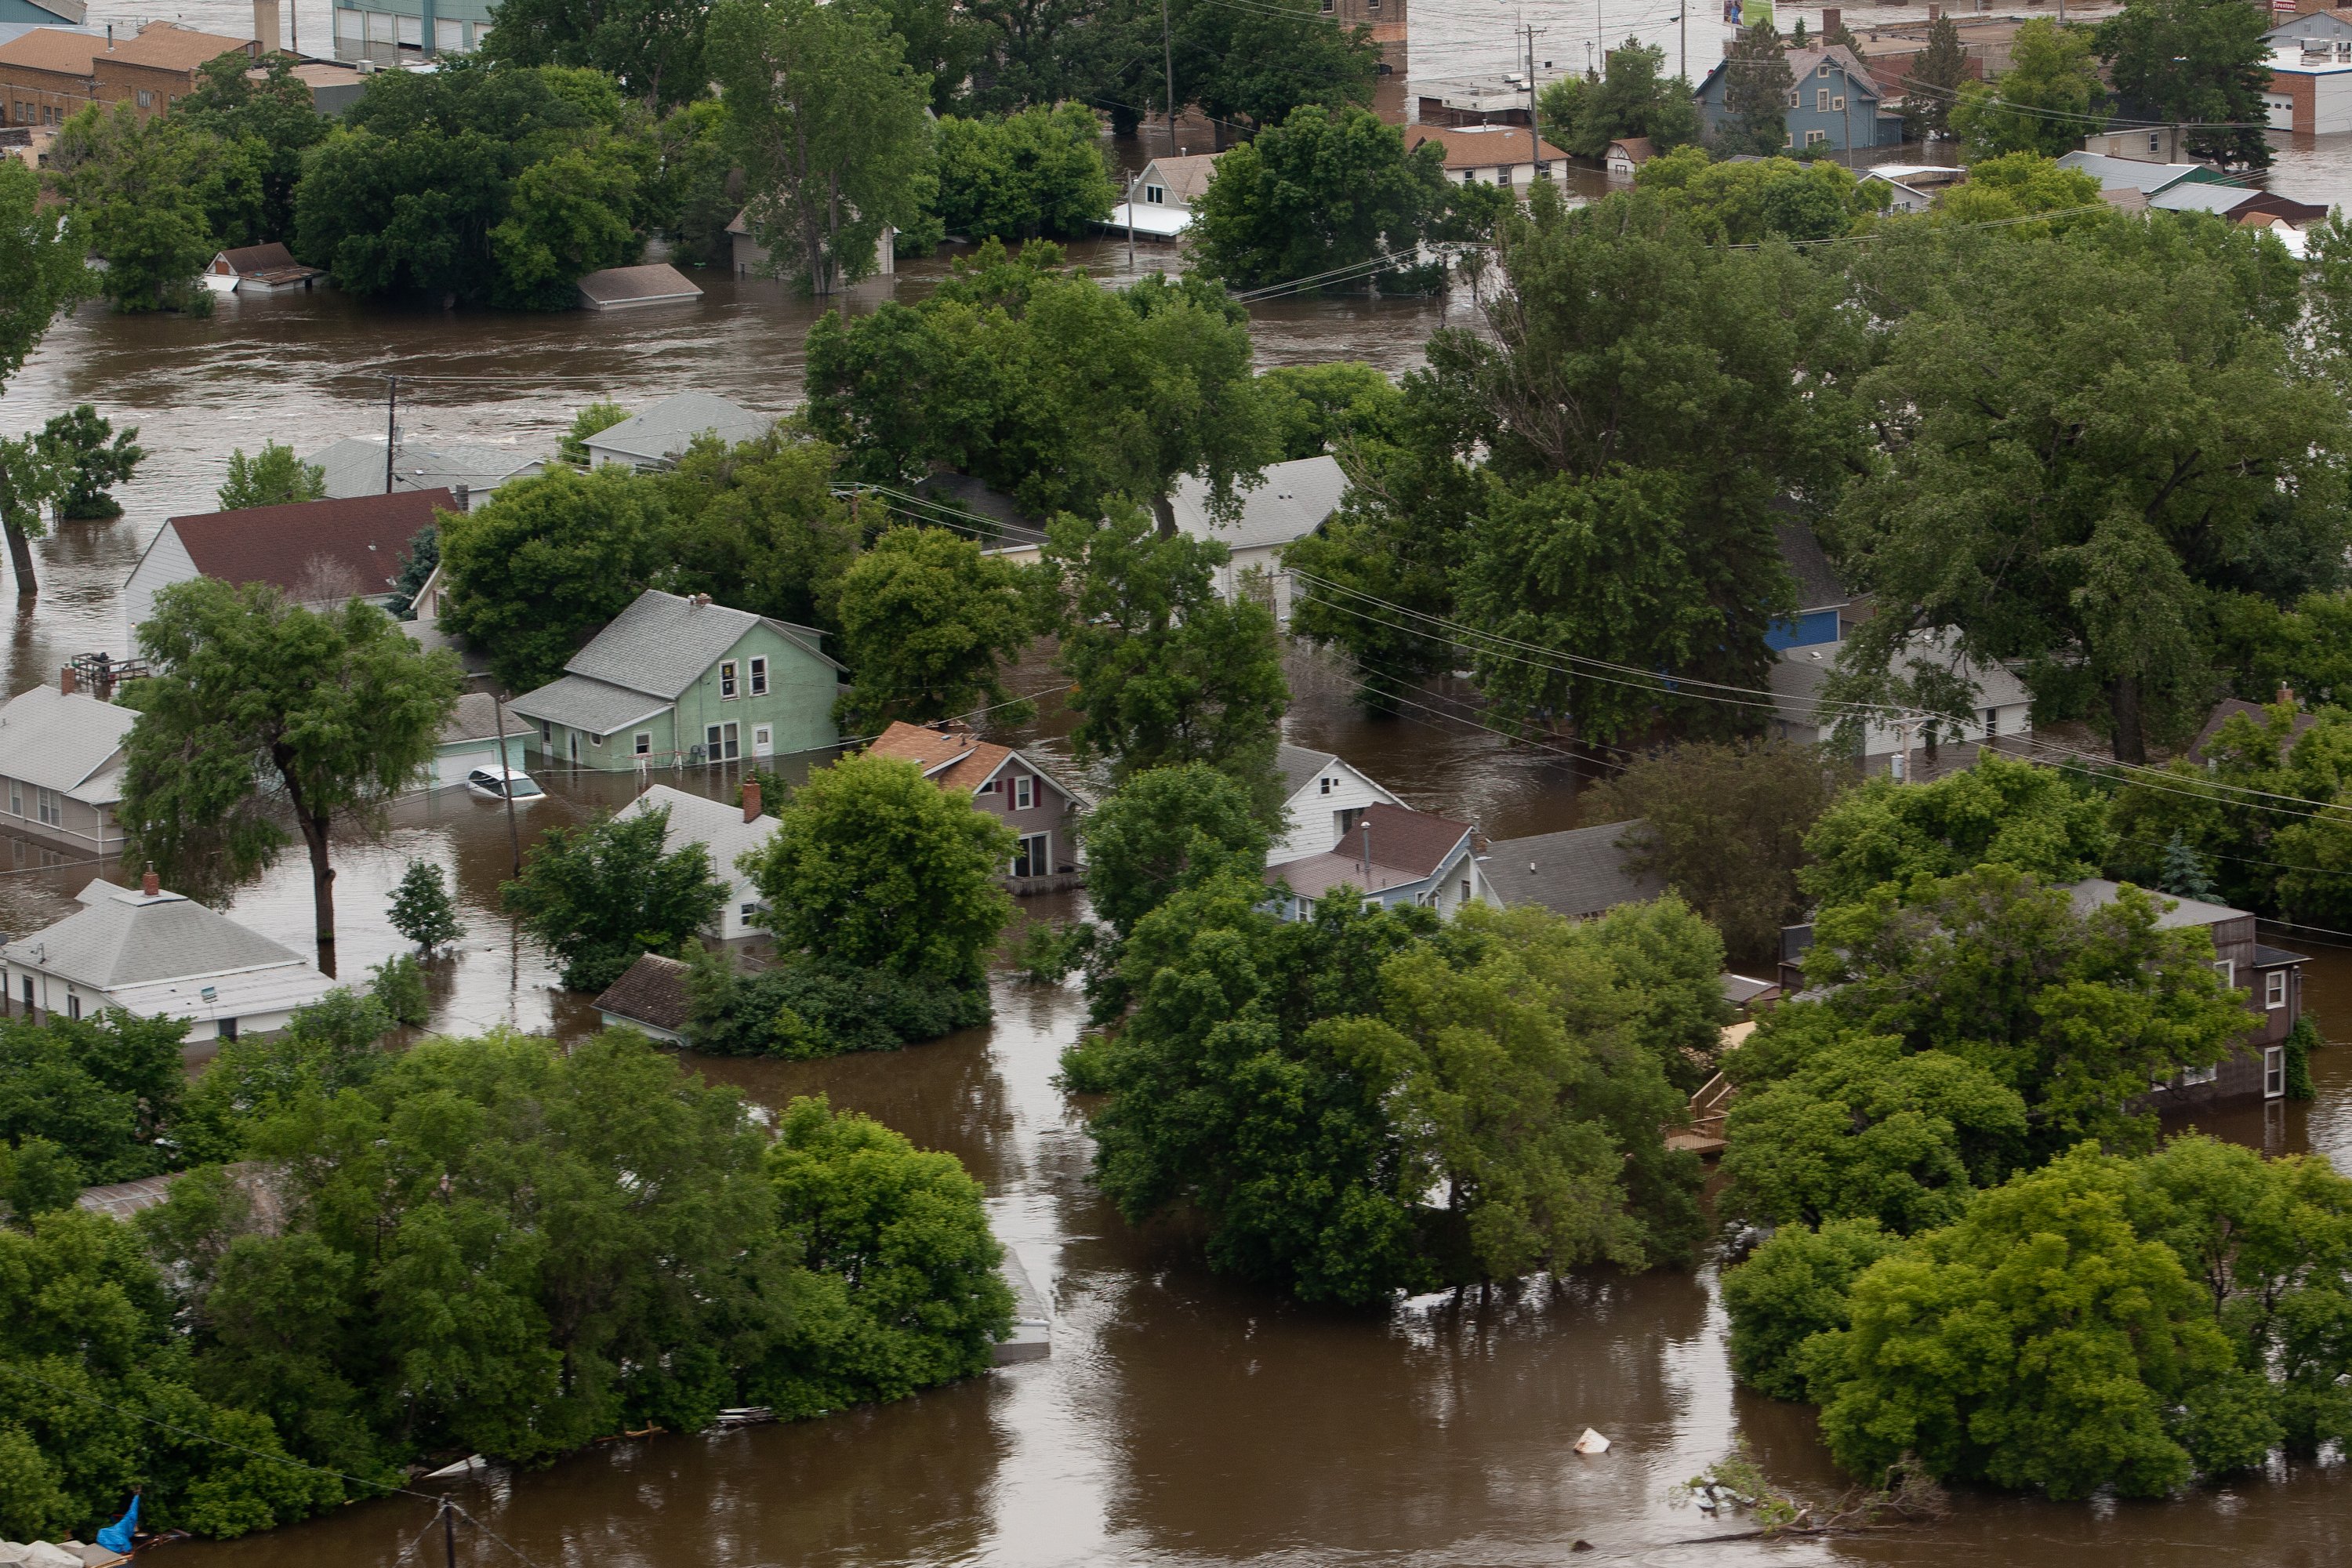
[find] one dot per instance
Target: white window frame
(758, 673)
(2274, 1072)
(2228, 970)
(2191, 1076)
(728, 684)
(1154, 195)
(1327, 784)
(1822, 99)
(1823, 70)
(1838, 103)
(1025, 793)
(644, 744)
(17, 797)
(2273, 990)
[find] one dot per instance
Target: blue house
(1835, 103)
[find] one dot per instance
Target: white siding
(166, 562)
(1313, 814)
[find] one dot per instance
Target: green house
(678, 680)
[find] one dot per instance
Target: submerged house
(675, 680)
(1391, 855)
(61, 767)
(1042, 812)
(725, 832)
(315, 552)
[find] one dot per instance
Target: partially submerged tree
(275, 476)
(42, 271)
(1166, 829)
(422, 909)
(254, 704)
(90, 457)
(928, 623)
(598, 895)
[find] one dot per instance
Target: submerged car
(501, 784)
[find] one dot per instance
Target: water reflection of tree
(1248, 1423)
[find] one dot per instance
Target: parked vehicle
(498, 783)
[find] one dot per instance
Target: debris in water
(471, 1464)
(745, 1415)
(1591, 1443)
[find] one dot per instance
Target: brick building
(1384, 17)
(49, 74)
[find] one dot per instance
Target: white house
(1625, 157)
(257, 269)
(1295, 499)
(1391, 854)
(750, 257)
(725, 832)
(2004, 707)
(656, 438)
(1490, 154)
(158, 955)
(315, 552)
(1160, 200)
(61, 767)
(1323, 797)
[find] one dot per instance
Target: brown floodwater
(1181, 1419)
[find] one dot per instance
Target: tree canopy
(1039, 172)
(2000, 812)
(598, 895)
(2047, 101)
(1581, 115)
(2201, 64)
(927, 625)
(275, 476)
(1165, 830)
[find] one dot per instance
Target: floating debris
(745, 1415)
(472, 1464)
(1591, 1443)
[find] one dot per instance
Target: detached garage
(469, 741)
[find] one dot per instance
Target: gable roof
(1300, 767)
(1579, 873)
(1804, 62)
(652, 991)
(952, 759)
(258, 258)
(59, 739)
(121, 937)
(1818, 588)
(1294, 501)
(364, 537)
(598, 707)
(475, 718)
(662, 642)
(2134, 173)
(1406, 847)
(669, 426)
(1635, 148)
(718, 826)
(2230, 708)
(1183, 177)
(2173, 911)
(1478, 146)
(638, 285)
(355, 465)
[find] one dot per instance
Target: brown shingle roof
(294, 547)
(1478, 148)
(166, 48)
(2230, 708)
(258, 258)
(952, 760)
(654, 991)
(656, 280)
(1406, 847)
(52, 50)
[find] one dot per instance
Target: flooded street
(1182, 1420)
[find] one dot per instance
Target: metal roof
(58, 741)
(355, 465)
(1292, 504)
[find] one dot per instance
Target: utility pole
(391, 425)
(1168, 62)
(506, 784)
(449, 1531)
(1535, 137)
(1133, 181)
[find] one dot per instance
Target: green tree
(1044, 384)
(1862, 1130)
(1756, 83)
(1745, 203)
(598, 895)
(827, 121)
(141, 183)
(1581, 116)
(1790, 1290)
(1327, 190)
(2077, 1012)
(416, 566)
(757, 526)
(42, 271)
(1724, 825)
(1163, 668)
(90, 457)
(477, 187)
(398, 986)
(1257, 67)
(1338, 406)
(2039, 1343)
(874, 866)
(1999, 811)
(2202, 64)
(267, 111)
(1041, 171)
(906, 1293)
(273, 477)
(337, 711)
(2004, 398)
(2016, 185)
(928, 623)
(656, 48)
(537, 569)
(1165, 830)
(105, 1091)
(695, 194)
(38, 1177)
(422, 909)
(2046, 103)
(593, 419)
(1935, 79)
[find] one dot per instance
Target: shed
(651, 996)
(627, 287)
(258, 270)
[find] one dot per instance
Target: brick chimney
(68, 681)
(751, 800)
(2286, 693)
(1833, 18)
(151, 885)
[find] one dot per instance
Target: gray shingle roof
(662, 643)
(656, 280)
(718, 826)
(669, 428)
(58, 741)
(598, 707)
(1578, 873)
(1818, 588)
(124, 938)
(1298, 767)
(475, 719)
(355, 465)
(2097, 892)
(1292, 504)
